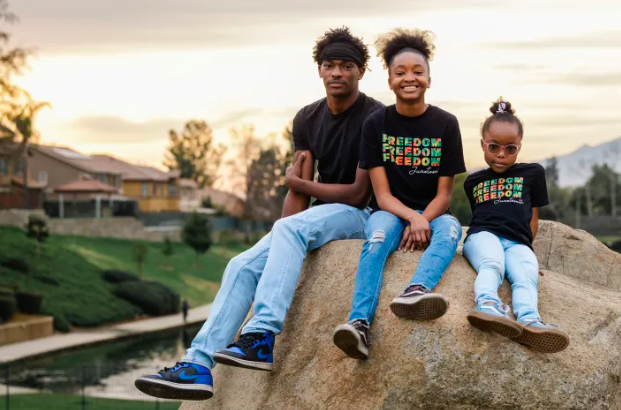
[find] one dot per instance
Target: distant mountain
(575, 168)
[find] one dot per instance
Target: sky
(119, 74)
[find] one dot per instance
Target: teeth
(410, 87)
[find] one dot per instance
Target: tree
(168, 250)
(194, 153)
(460, 207)
(17, 108)
(196, 234)
(37, 229)
(559, 198)
(266, 183)
(140, 253)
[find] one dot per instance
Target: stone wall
(117, 227)
(30, 327)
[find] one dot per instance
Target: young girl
(412, 151)
(505, 201)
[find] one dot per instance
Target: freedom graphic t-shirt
(414, 151)
(334, 140)
(503, 203)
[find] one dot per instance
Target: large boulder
(443, 364)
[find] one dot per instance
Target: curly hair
(390, 44)
(340, 35)
(502, 111)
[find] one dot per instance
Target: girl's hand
(420, 231)
(406, 240)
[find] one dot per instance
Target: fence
(98, 387)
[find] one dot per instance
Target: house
(57, 166)
(189, 200)
(155, 190)
(233, 205)
(12, 195)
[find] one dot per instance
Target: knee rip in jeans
(454, 232)
(378, 237)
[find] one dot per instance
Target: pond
(107, 370)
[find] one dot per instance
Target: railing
(101, 387)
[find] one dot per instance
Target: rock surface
(444, 364)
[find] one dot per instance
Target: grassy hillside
(69, 270)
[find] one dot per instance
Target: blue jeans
(493, 258)
(384, 231)
(267, 274)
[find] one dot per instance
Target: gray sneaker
(543, 337)
(353, 339)
(419, 303)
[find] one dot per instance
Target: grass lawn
(68, 274)
(608, 239)
(71, 402)
(199, 284)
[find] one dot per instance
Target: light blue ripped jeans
(267, 274)
(494, 257)
(384, 232)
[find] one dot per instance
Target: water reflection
(107, 370)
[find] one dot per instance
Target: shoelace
(416, 287)
(541, 322)
(504, 308)
(360, 324)
(246, 341)
(176, 367)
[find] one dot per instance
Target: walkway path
(17, 351)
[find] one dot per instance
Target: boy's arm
(356, 194)
(303, 169)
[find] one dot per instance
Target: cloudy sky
(120, 73)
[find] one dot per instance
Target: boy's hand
(420, 231)
(294, 172)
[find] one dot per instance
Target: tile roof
(86, 185)
(88, 163)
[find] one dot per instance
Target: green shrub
(46, 279)
(5, 291)
(16, 264)
(616, 246)
(118, 276)
(29, 302)
(7, 308)
(196, 233)
(61, 324)
(153, 298)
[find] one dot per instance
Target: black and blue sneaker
(251, 351)
(184, 381)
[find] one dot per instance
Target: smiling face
(503, 134)
(340, 77)
(408, 77)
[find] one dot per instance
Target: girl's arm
(442, 201)
(419, 229)
(534, 222)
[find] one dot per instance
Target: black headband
(342, 52)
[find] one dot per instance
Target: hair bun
(502, 107)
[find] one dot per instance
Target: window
(43, 177)
(20, 165)
(4, 166)
(171, 189)
(145, 189)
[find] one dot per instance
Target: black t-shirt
(415, 151)
(334, 140)
(503, 203)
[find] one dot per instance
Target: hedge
(16, 264)
(119, 276)
(8, 306)
(153, 298)
(29, 302)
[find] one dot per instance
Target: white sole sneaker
(425, 307)
(348, 339)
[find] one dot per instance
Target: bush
(46, 279)
(29, 302)
(196, 233)
(153, 298)
(61, 324)
(16, 264)
(7, 292)
(616, 246)
(7, 308)
(119, 276)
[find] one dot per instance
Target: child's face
(501, 145)
(408, 77)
